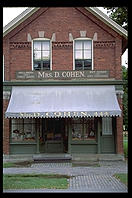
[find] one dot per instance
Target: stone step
(49, 160)
(52, 158)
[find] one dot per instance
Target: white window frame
(43, 39)
(107, 126)
(83, 39)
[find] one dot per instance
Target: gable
(95, 11)
(64, 20)
(61, 21)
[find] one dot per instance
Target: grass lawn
(125, 146)
(123, 177)
(32, 181)
(16, 164)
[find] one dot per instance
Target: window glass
(46, 65)
(90, 128)
(83, 54)
(23, 130)
(87, 54)
(87, 64)
(84, 129)
(87, 45)
(41, 55)
(45, 45)
(37, 65)
(107, 126)
(37, 45)
(53, 129)
(79, 45)
(77, 129)
(37, 55)
(79, 64)
(45, 55)
(78, 54)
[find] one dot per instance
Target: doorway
(54, 136)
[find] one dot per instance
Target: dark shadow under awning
(63, 101)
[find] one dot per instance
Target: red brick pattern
(62, 21)
(5, 130)
(119, 138)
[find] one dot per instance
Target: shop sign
(61, 75)
(62, 114)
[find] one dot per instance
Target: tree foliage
(125, 96)
(119, 15)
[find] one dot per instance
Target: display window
(84, 129)
(23, 130)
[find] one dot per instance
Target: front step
(52, 158)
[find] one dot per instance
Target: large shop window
(84, 129)
(83, 54)
(23, 130)
(41, 55)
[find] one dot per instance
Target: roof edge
(19, 19)
(108, 21)
(94, 10)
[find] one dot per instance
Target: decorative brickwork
(62, 45)
(20, 45)
(5, 129)
(104, 44)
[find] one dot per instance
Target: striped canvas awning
(63, 101)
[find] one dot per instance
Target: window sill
(23, 143)
(83, 142)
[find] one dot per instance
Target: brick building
(62, 82)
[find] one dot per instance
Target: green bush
(125, 146)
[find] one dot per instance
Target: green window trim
(107, 126)
(87, 130)
(22, 131)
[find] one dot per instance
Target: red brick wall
(5, 130)
(63, 21)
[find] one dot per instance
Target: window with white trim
(107, 126)
(83, 54)
(41, 54)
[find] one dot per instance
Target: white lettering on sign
(61, 74)
(57, 74)
(64, 114)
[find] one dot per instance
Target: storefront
(57, 119)
(62, 82)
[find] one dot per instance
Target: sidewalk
(86, 179)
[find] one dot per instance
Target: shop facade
(62, 86)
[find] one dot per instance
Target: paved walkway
(85, 179)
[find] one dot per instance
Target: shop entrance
(53, 136)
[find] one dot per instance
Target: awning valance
(62, 101)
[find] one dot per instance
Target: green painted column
(98, 135)
(69, 136)
(37, 138)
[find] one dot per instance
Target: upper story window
(41, 54)
(83, 54)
